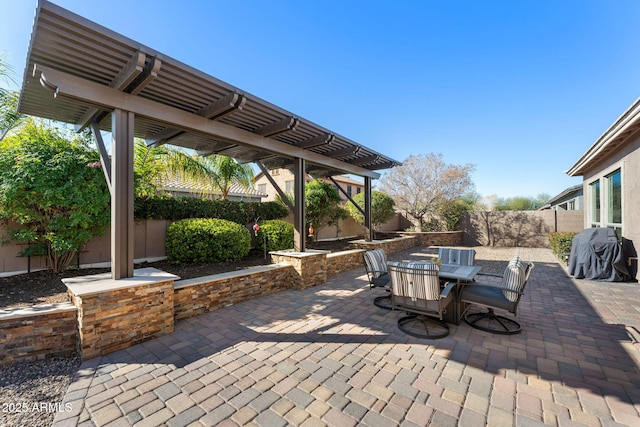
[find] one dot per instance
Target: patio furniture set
(444, 289)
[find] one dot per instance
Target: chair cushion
(413, 283)
(487, 296)
(457, 256)
(514, 278)
(376, 262)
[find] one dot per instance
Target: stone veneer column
(310, 266)
(116, 314)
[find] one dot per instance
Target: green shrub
(177, 208)
(561, 243)
(279, 235)
(207, 240)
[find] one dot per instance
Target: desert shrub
(177, 208)
(207, 240)
(279, 235)
(561, 243)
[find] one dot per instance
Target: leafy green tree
(451, 212)
(53, 187)
(382, 209)
(322, 204)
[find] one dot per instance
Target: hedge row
(177, 208)
(207, 240)
(560, 243)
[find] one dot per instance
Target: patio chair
(457, 256)
(415, 288)
(503, 296)
(375, 262)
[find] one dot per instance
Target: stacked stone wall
(203, 294)
(339, 262)
(37, 332)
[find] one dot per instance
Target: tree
(322, 204)
(52, 186)
(9, 116)
(520, 203)
(451, 212)
(222, 171)
(382, 209)
(153, 165)
(423, 184)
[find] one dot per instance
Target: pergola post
(299, 214)
(122, 226)
(367, 209)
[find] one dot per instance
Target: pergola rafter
(80, 72)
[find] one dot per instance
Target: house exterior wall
(284, 176)
(627, 159)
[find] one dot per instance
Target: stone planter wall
(392, 245)
(203, 294)
(310, 266)
(339, 262)
(116, 314)
(33, 333)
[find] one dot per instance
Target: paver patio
(328, 356)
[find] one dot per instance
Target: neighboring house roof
(568, 193)
(612, 139)
(173, 184)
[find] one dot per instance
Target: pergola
(82, 73)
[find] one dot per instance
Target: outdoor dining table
(459, 273)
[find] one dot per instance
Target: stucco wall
(518, 228)
(627, 159)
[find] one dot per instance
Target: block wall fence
(480, 228)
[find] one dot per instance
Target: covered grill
(596, 254)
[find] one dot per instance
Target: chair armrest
(447, 289)
(489, 274)
(376, 272)
(490, 285)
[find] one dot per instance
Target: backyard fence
(504, 228)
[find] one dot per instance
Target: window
(613, 201)
(262, 188)
(606, 202)
(288, 187)
(349, 190)
(614, 198)
(595, 203)
(358, 190)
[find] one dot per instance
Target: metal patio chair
(503, 296)
(375, 262)
(415, 288)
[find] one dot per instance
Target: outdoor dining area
(438, 290)
(326, 355)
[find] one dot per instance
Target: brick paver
(328, 356)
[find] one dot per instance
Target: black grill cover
(597, 255)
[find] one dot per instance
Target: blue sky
(519, 88)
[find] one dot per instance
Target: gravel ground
(32, 392)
